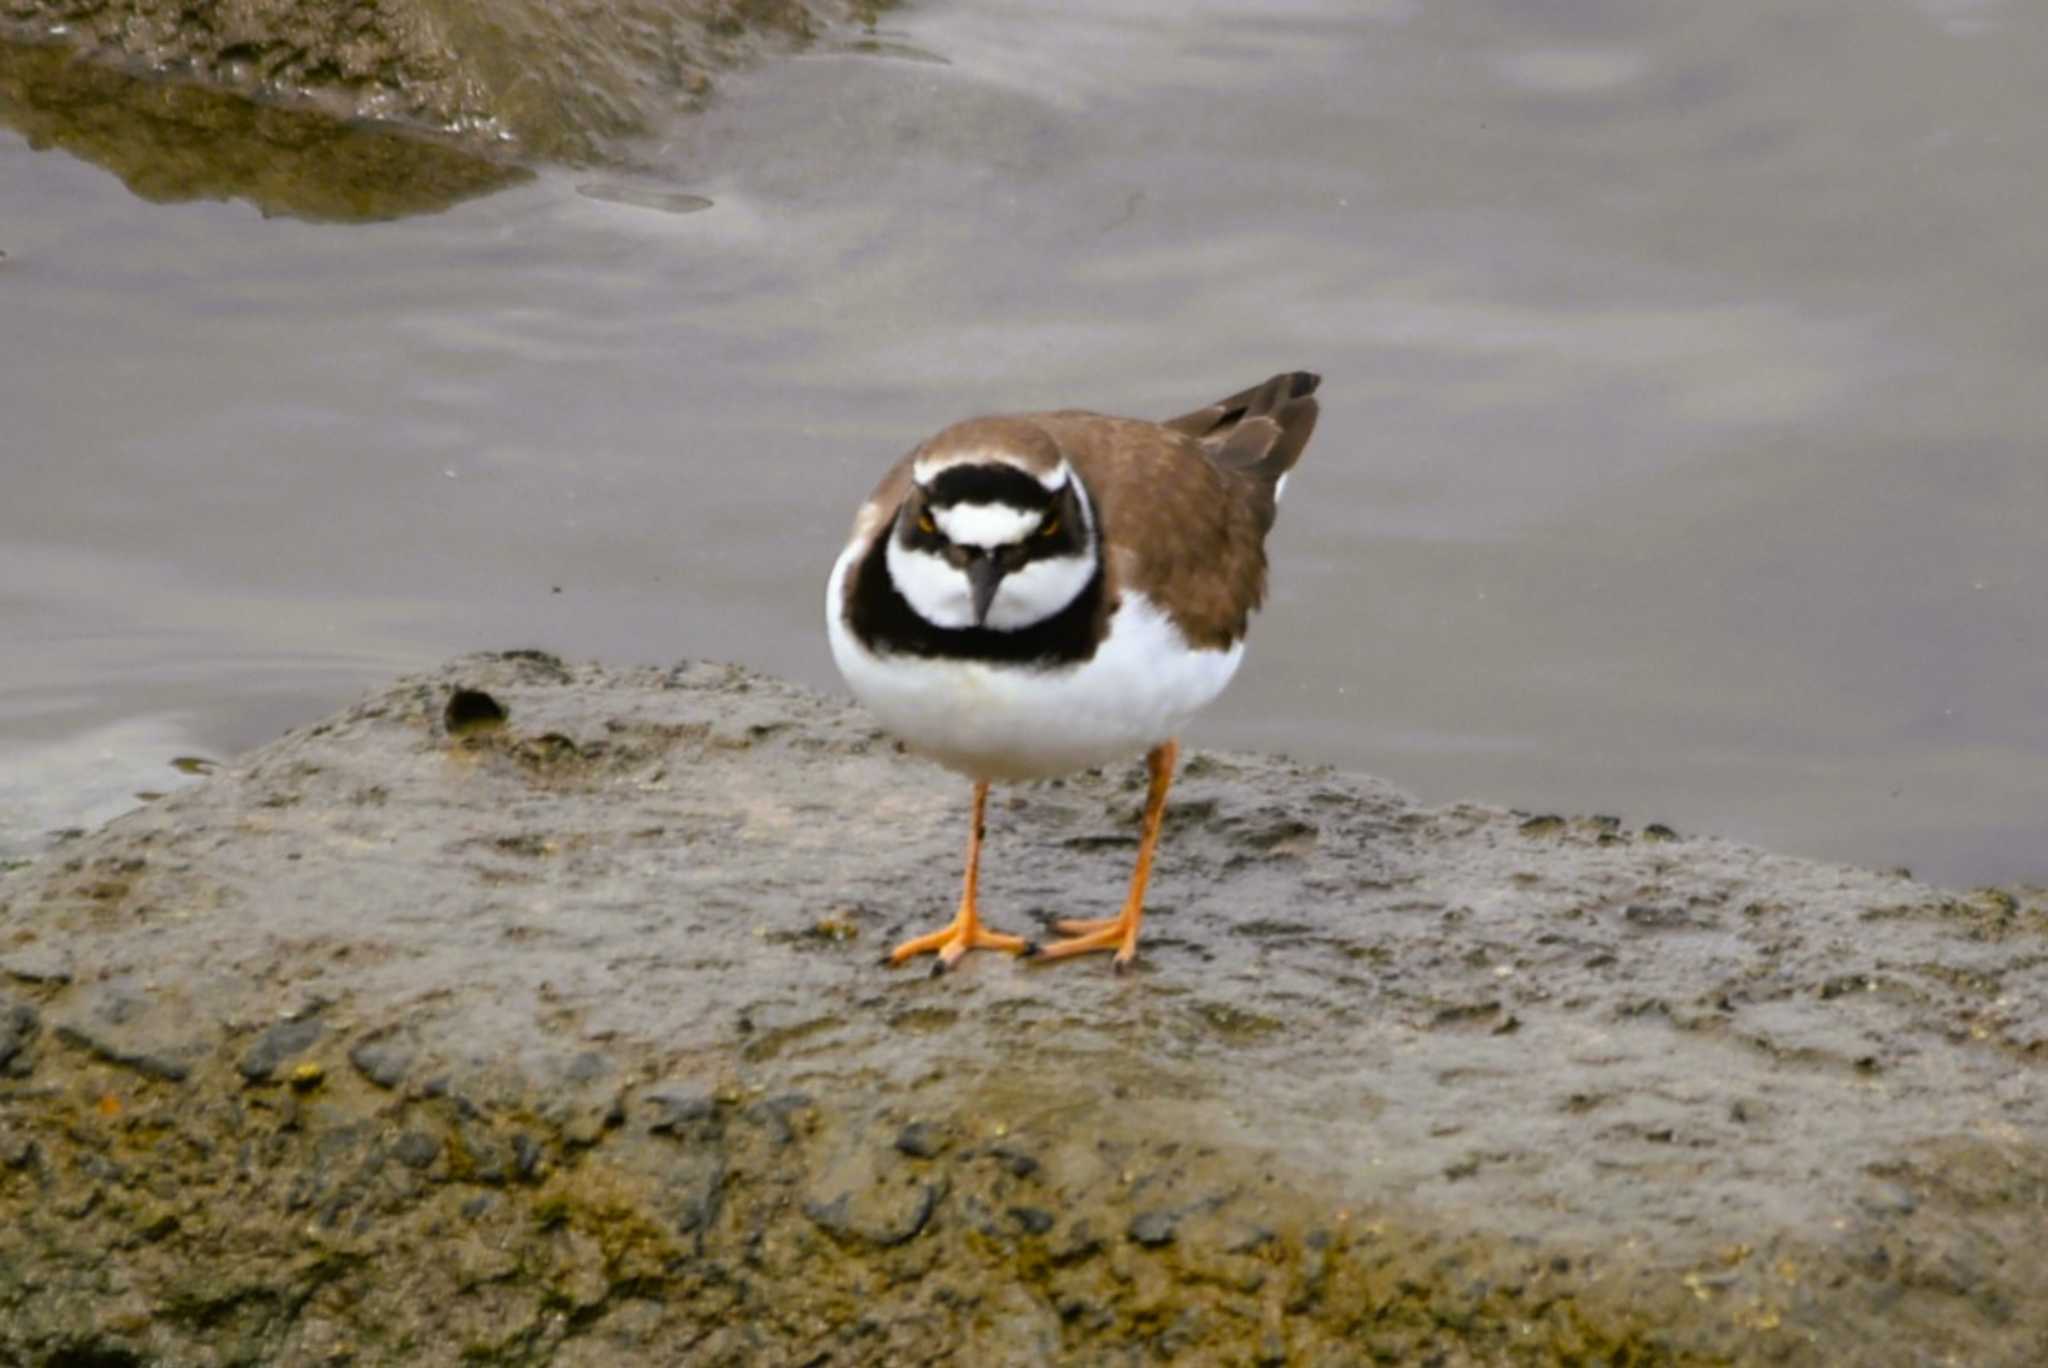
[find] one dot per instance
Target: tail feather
(1260, 431)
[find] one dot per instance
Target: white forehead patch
(929, 468)
(985, 525)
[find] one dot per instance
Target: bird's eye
(926, 525)
(1050, 527)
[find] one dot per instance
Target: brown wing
(1183, 530)
(1260, 431)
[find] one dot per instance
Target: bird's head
(996, 531)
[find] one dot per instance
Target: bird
(1028, 595)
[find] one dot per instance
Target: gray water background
(1684, 451)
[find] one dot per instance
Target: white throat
(942, 596)
(935, 591)
(1040, 590)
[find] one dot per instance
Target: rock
(1393, 1083)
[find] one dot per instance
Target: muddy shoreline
(562, 1040)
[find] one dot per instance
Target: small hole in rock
(472, 710)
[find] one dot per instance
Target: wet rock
(259, 1064)
(1440, 1069)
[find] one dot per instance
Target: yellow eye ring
(1050, 527)
(926, 525)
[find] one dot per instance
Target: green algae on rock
(579, 1080)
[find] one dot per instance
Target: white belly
(1025, 722)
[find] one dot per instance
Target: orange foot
(965, 931)
(956, 938)
(1120, 933)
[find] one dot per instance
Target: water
(1682, 441)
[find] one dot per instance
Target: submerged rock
(1389, 1082)
(546, 80)
(170, 142)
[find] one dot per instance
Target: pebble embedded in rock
(1154, 1228)
(260, 1062)
(111, 1045)
(921, 1140)
(874, 1218)
(776, 1112)
(673, 1111)
(1015, 1162)
(416, 1149)
(526, 1156)
(18, 1025)
(1645, 917)
(384, 1062)
(1032, 1220)
(33, 965)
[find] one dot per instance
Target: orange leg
(1120, 933)
(964, 932)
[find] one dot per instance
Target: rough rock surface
(562, 1039)
(553, 80)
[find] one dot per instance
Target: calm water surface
(1682, 454)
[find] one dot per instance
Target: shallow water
(1681, 452)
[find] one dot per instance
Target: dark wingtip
(1301, 384)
